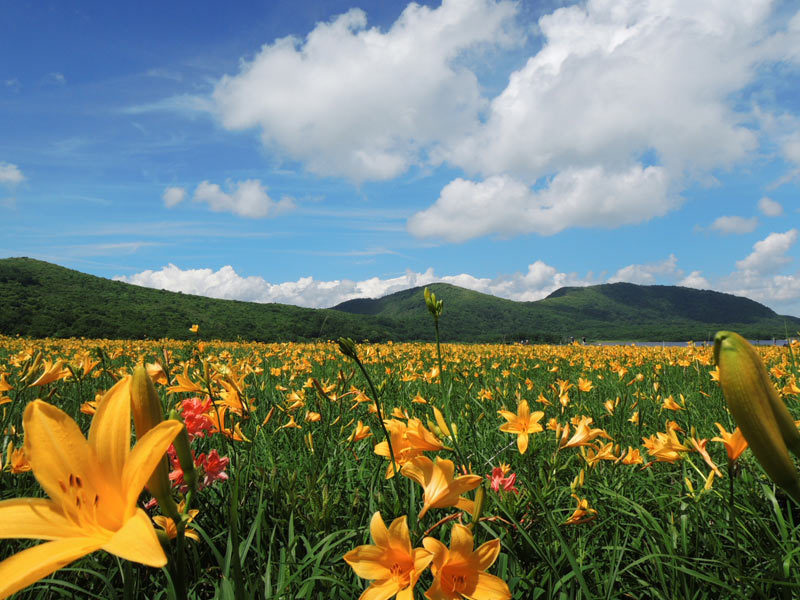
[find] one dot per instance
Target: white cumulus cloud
(587, 197)
(769, 207)
(363, 103)
(610, 92)
(650, 273)
(695, 280)
(247, 198)
(173, 196)
(734, 224)
(769, 255)
(10, 174)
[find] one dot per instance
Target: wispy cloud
(185, 104)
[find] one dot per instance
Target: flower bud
(434, 306)
(347, 347)
(147, 413)
(762, 417)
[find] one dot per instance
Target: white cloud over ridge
(648, 274)
(756, 277)
(536, 283)
(769, 255)
(365, 104)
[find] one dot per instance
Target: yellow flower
(17, 462)
(460, 571)
(583, 513)
(168, 525)
(734, 442)
(390, 561)
(194, 328)
(93, 487)
(408, 442)
(360, 432)
(522, 424)
(584, 434)
(52, 372)
(441, 490)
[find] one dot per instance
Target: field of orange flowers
(337, 470)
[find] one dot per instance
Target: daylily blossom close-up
(93, 486)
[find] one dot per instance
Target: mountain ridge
(40, 299)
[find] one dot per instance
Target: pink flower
(499, 480)
(194, 415)
(213, 468)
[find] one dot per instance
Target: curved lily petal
(110, 431)
(26, 567)
(55, 448)
(137, 541)
(35, 519)
(144, 458)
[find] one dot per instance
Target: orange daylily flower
(167, 525)
(734, 442)
(632, 457)
(93, 487)
(16, 460)
(360, 432)
(584, 434)
(665, 447)
(521, 424)
(583, 513)
(441, 489)
(460, 571)
(408, 442)
(52, 372)
(390, 561)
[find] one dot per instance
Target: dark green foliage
(39, 299)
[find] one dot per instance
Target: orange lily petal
(146, 455)
(110, 431)
(35, 519)
(137, 541)
(26, 567)
(55, 447)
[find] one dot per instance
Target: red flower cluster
(499, 480)
(194, 416)
(210, 469)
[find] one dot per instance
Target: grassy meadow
(622, 490)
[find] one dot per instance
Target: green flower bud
(147, 413)
(347, 347)
(762, 417)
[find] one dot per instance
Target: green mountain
(613, 311)
(39, 299)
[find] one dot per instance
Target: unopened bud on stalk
(762, 417)
(434, 306)
(347, 347)
(480, 502)
(147, 413)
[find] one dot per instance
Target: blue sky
(313, 152)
